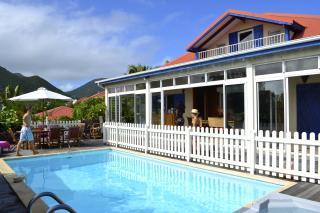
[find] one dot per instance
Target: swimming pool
(114, 181)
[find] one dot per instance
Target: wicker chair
(54, 137)
(95, 131)
(74, 135)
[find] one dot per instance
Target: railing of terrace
(65, 124)
(269, 153)
(243, 46)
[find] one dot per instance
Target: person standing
(196, 121)
(26, 133)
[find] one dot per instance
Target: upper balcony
(242, 46)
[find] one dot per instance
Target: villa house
(255, 80)
(246, 70)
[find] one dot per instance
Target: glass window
(156, 108)
(236, 73)
(140, 109)
(117, 108)
(140, 86)
(244, 40)
(111, 90)
(216, 76)
(209, 102)
(155, 84)
(120, 89)
(182, 80)
(167, 82)
(302, 64)
(235, 106)
(268, 68)
(112, 109)
(197, 78)
(271, 105)
(246, 35)
(129, 87)
(127, 108)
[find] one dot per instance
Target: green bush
(90, 109)
(65, 118)
(9, 118)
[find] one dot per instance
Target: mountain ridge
(32, 83)
(27, 84)
(88, 89)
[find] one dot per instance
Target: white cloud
(74, 46)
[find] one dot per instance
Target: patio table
(39, 134)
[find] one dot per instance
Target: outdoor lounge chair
(10, 139)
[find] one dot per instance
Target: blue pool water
(112, 181)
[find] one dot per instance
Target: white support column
(119, 111)
(250, 118)
(249, 96)
(148, 104)
(107, 119)
(162, 107)
(286, 105)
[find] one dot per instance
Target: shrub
(90, 109)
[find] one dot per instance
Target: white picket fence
(268, 153)
(65, 124)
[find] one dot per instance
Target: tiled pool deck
(303, 190)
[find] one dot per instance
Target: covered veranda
(277, 96)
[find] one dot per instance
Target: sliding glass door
(235, 106)
(271, 105)
(140, 114)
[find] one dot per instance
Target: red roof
(189, 56)
(58, 112)
(310, 23)
(97, 95)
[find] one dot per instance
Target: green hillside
(27, 84)
(85, 90)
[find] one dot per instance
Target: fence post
(188, 143)
(104, 132)
(146, 139)
(117, 133)
(252, 151)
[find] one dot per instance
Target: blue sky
(70, 42)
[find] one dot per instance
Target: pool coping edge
(25, 193)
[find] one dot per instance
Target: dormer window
(244, 38)
(246, 35)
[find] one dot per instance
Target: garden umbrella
(41, 94)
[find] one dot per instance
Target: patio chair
(8, 138)
(36, 136)
(169, 119)
(215, 122)
(82, 129)
(54, 137)
(95, 131)
(73, 135)
(14, 143)
(189, 121)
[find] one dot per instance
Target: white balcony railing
(243, 46)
